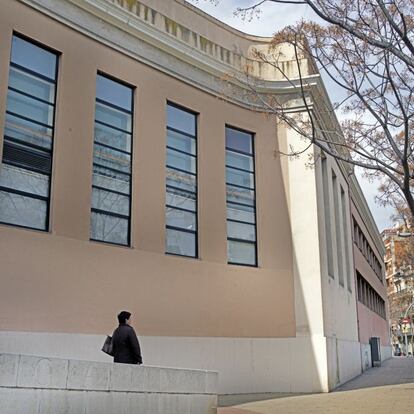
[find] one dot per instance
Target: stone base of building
(366, 361)
(245, 365)
(30, 384)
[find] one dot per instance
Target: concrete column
(73, 144)
(306, 260)
(212, 186)
(148, 181)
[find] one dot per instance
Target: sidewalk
(384, 390)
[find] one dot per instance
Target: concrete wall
(338, 294)
(31, 384)
(245, 365)
(344, 361)
(366, 360)
(339, 298)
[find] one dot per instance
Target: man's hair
(123, 316)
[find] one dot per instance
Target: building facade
(368, 251)
(398, 243)
(131, 179)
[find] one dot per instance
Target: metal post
(406, 345)
(406, 340)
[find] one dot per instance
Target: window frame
(195, 174)
(51, 151)
(254, 206)
(131, 155)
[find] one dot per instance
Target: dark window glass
(181, 142)
(240, 178)
(111, 180)
(181, 180)
(369, 297)
(241, 198)
(181, 243)
(241, 253)
(114, 93)
(28, 136)
(367, 251)
(181, 120)
(239, 141)
(33, 58)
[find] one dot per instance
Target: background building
(399, 258)
(132, 179)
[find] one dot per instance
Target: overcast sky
(274, 17)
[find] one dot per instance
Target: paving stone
(384, 390)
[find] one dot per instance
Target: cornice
(119, 29)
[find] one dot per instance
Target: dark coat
(126, 349)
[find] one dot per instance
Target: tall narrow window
(241, 198)
(28, 136)
(345, 233)
(338, 227)
(327, 209)
(111, 181)
(181, 182)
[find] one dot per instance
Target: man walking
(126, 349)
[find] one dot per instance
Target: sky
(272, 18)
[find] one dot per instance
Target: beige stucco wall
(62, 282)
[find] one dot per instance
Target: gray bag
(107, 346)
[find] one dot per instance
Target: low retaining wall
(36, 385)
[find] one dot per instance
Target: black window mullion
(33, 73)
(240, 169)
(240, 186)
(181, 189)
(112, 148)
(26, 144)
(181, 132)
(230, 204)
(179, 208)
(98, 187)
(28, 95)
(109, 213)
(239, 152)
(23, 193)
(23, 154)
(126, 91)
(181, 170)
(25, 118)
(181, 151)
(113, 106)
(192, 195)
(236, 239)
(181, 229)
(242, 204)
(111, 169)
(241, 221)
(112, 126)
